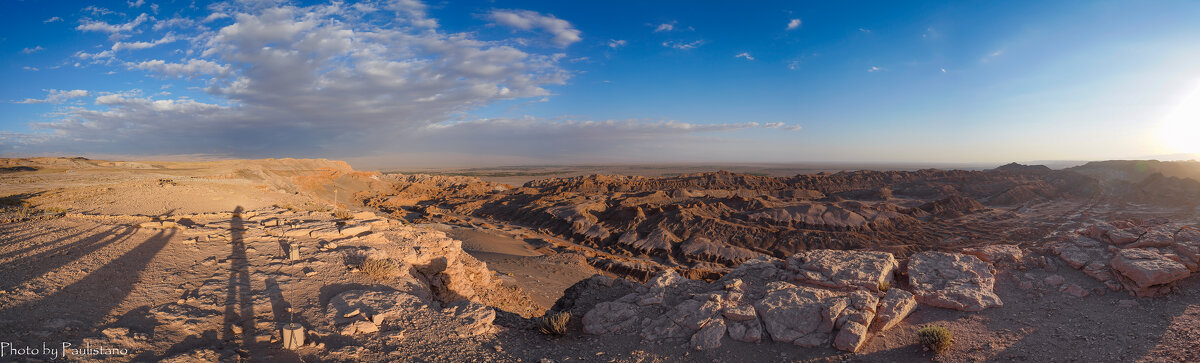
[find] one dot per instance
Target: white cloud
(119, 46)
(943, 70)
(744, 55)
(57, 96)
(97, 10)
(793, 24)
(682, 45)
(665, 27)
(613, 43)
(28, 68)
(214, 16)
(287, 80)
(865, 30)
(564, 33)
(112, 29)
(32, 50)
(52, 20)
(106, 54)
(134, 4)
(794, 64)
(874, 69)
(190, 69)
(173, 23)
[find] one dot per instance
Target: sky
(437, 83)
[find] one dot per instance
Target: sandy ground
(92, 276)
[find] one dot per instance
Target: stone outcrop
(819, 298)
(1145, 258)
(952, 280)
(843, 269)
(1147, 272)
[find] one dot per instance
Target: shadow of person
(239, 306)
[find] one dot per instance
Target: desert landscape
(599, 181)
(192, 261)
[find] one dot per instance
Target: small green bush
(554, 323)
(935, 337)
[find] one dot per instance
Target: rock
(739, 313)
(893, 308)
(364, 215)
(1147, 272)
(952, 280)
(709, 336)
(749, 331)
(354, 230)
(1054, 280)
(1127, 303)
(380, 305)
(654, 299)
(1025, 285)
(1121, 237)
(1161, 236)
(997, 254)
(684, 319)
(800, 315)
(665, 279)
(359, 327)
(1075, 290)
(843, 269)
(1079, 251)
(329, 232)
(610, 317)
(474, 319)
(850, 337)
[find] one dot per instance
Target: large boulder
(952, 280)
(1147, 272)
(843, 269)
(853, 322)
(800, 315)
(894, 307)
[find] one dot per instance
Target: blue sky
(428, 83)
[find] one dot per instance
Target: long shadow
(38, 265)
(91, 298)
(17, 253)
(239, 304)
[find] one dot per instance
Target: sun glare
(1181, 128)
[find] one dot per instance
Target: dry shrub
(343, 214)
(884, 286)
(378, 269)
(935, 337)
(554, 323)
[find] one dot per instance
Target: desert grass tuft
(378, 269)
(343, 214)
(936, 338)
(554, 323)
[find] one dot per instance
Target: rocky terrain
(210, 261)
(706, 223)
